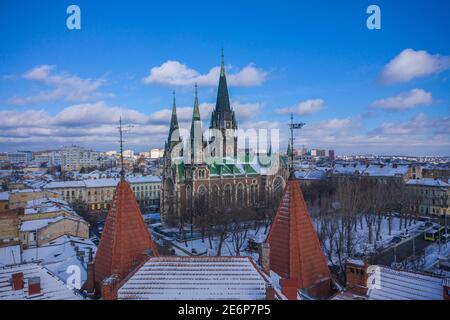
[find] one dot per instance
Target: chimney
(446, 288)
(270, 292)
(90, 282)
(17, 281)
(109, 288)
(34, 286)
(356, 276)
(264, 257)
(289, 288)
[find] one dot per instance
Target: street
(402, 250)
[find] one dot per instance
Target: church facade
(209, 172)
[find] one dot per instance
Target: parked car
(396, 239)
(404, 235)
(445, 238)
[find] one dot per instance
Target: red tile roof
(125, 241)
(295, 251)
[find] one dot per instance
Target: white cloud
(405, 101)
(174, 73)
(303, 108)
(66, 87)
(98, 113)
(410, 64)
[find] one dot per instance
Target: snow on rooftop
(390, 284)
(145, 179)
(52, 288)
(60, 253)
(428, 182)
(33, 225)
(4, 196)
(10, 255)
(195, 278)
(100, 183)
(65, 184)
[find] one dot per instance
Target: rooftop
(52, 288)
(195, 278)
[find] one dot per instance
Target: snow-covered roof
(52, 288)
(33, 225)
(65, 184)
(372, 170)
(10, 255)
(312, 174)
(145, 179)
(100, 183)
(25, 190)
(4, 196)
(428, 182)
(389, 284)
(60, 253)
(195, 278)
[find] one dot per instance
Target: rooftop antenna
(122, 171)
(293, 126)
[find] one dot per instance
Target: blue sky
(359, 90)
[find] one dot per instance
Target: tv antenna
(293, 126)
(121, 131)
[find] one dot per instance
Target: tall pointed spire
(196, 131)
(174, 135)
(196, 112)
(222, 65)
(295, 251)
(222, 115)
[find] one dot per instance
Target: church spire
(196, 131)
(222, 115)
(174, 135)
(222, 65)
(196, 112)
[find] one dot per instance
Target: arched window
(189, 197)
(215, 197)
(240, 195)
(203, 197)
(227, 197)
(254, 198)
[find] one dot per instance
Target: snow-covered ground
(203, 246)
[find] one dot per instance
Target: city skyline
(358, 90)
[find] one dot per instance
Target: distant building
(18, 157)
(434, 195)
(51, 158)
(97, 194)
(331, 155)
(74, 158)
(156, 153)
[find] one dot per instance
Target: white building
(75, 158)
(156, 153)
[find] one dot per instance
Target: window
(240, 195)
(227, 198)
